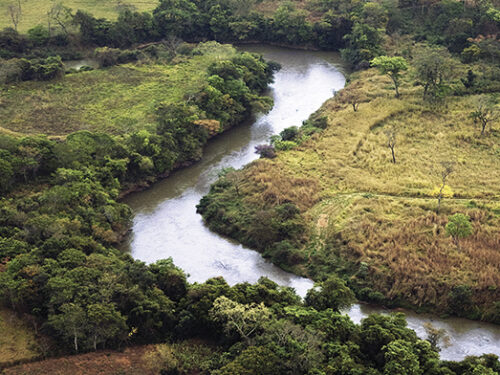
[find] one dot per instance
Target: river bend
(166, 224)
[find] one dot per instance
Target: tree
(458, 227)
(15, 13)
(253, 360)
(485, 113)
(61, 15)
(433, 67)
(105, 323)
(392, 66)
(245, 320)
(401, 359)
(363, 44)
(391, 141)
(70, 322)
(352, 95)
(435, 336)
(333, 293)
(447, 168)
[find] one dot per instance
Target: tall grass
(377, 220)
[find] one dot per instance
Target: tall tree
(392, 66)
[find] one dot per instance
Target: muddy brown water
(166, 224)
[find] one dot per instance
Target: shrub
(289, 134)
(265, 151)
(284, 145)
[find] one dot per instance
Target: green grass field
(114, 100)
(34, 12)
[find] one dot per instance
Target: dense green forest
(61, 176)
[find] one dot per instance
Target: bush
(265, 151)
(289, 134)
(38, 36)
(284, 145)
(16, 70)
(113, 56)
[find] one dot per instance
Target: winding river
(166, 223)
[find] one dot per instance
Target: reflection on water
(467, 337)
(77, 64)
(166, 224)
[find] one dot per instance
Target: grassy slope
(115, 100)
(132, 361)
(34, 12)
(17, 341)
(361, 207)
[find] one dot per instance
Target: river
(166, 224)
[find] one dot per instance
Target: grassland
(377, 219)
(189, 356)
(116, 100)
(34, 12)
(17, 342)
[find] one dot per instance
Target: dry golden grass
(17, 341)
(383, 214)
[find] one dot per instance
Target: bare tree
(352, 95)
(15, 13)
(391, 141)
(60, 15)
(485, 113)
(436, 336)
(447, 168)
(172, 43)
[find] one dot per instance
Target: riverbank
(371, 220)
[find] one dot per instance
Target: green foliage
(400, 359)
(16, 70)
(330, 294)
(458, 227)
(392, 66)
(245, 320)
(363, 44)
(433, 68)
(58, 233)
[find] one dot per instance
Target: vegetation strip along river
(166, 223)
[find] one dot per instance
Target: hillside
(371, 220)
(18, 342)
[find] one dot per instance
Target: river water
(166, 223)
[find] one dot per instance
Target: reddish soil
(128, 362)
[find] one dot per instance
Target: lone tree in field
(458, 227)
(433, 68)
(447, 168)
(391, 141)
(392, 66)
(485, 113)
(15, 12)
(352, 95)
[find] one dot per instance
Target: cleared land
(379, 216)
(139, 360)
(115, 100)
(34, 12)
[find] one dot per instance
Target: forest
(387, 194)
